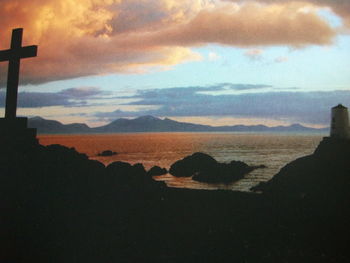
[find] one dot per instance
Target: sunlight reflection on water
(163, 149)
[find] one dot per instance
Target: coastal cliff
(325, 172)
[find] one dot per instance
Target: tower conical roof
(339, 106)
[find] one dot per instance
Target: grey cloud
(83, 92)
(238, 87)
(67, 97)
(39, 99)
(157, 96)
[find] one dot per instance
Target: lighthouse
(340, 128)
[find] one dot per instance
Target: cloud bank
(303, 107)
(72, 97)
(340, 7)
(222, 100)
(93, 37)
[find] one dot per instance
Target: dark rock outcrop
(205, 168)
(131, 176)
(190, 165)
(107, 153)
(337, 150)
(324, 173)
(157, 171)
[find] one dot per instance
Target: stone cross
(13, 56)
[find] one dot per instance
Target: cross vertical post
(14, 131)
(13, 56)
(13, 75)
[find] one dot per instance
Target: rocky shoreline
(59, 206)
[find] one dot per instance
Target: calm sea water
(163, 149)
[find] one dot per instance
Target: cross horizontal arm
(28, 51)
(5, 55)
(23, 52)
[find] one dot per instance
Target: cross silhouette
(13, 56)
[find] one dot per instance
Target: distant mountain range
(153, 124)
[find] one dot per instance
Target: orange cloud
(252, 25)
(339, 7)
(91, 37)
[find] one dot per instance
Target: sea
(163, 149)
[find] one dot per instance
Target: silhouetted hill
(52, 126)
(153, 124)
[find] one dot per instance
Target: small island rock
(156, 171)
(107, 153)
(188, 166)
(204, 168)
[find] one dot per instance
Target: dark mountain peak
(297, 125)
(170, 120)
(78, 125)
(147, 118)
(37, 118)
(119, 120)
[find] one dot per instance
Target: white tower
(340, 128)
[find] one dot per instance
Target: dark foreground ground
(58, 206)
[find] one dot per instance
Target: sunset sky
(205, 61)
